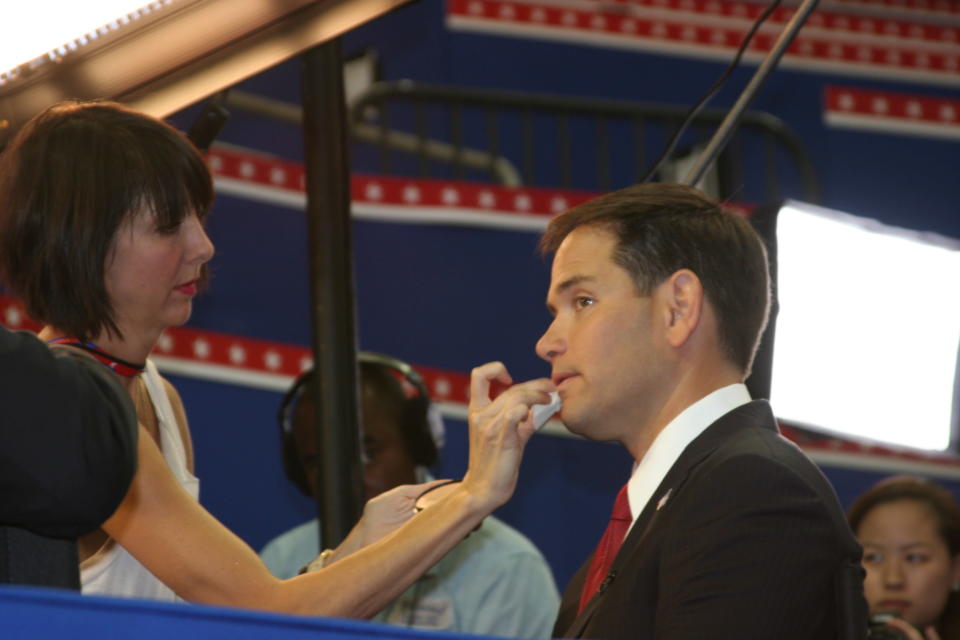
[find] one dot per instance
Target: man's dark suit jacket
(68, 446)
(749, 543)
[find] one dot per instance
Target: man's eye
(582, 301)
(916, 558)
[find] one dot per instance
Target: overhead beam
(178, 57)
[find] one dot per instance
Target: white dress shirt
(650, 471)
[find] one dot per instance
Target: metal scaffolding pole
(729, 124)
(340, 492)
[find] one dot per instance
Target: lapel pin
(664, 499)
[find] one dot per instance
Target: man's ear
(684, 306)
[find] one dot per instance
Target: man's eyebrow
(572, 282)
(567, 284)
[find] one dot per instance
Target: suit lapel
(756, 414)
(751, 415)
(631, 544)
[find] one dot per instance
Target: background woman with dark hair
(910, 532)
(101, 235)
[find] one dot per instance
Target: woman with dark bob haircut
(910, 531)
(102, 237)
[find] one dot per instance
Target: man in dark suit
(725, 529)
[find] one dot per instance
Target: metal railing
(516, 138)
(494, 168)
(568, 142)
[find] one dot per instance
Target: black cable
(711, 91)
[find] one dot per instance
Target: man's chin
(576, 425)
(585, 426)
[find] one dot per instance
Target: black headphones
(420, 424)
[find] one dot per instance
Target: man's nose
(550, 344)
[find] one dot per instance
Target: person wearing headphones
(495, 582)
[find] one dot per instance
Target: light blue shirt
(494, 583)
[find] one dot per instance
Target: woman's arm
(202, 561)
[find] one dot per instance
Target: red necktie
(606, 551)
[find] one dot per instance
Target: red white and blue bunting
(269, 179)
(843, 38)
(894, 113)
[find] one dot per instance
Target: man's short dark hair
(68, 181)
(662, 228)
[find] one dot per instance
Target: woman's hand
(499, 430)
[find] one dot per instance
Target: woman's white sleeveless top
(112, 571)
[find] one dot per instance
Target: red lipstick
(188, 289)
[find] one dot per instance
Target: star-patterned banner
(256, 176)
(934, 10)
(234, 359)
(267, 178)
(833, 41)
(929, 8)
(888, 112)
